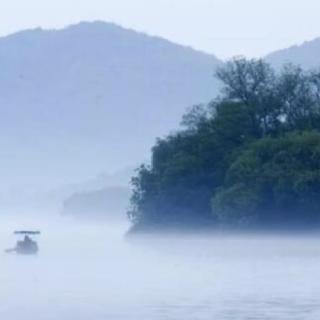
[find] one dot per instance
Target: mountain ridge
(306, 54)
(79, 100)
(103, 23)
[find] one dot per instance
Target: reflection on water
(91, 272)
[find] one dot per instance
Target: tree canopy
(249, 157)
(275, 182)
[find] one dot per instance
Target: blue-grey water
(92, 272)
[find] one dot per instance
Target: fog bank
(93, 272)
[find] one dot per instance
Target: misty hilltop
(307, 55)
(91, 97)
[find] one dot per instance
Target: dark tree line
(250, 157)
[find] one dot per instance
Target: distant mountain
(52, 201)
(90, 98)
(306, 55)
(106, 204)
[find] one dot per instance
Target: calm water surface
(92, 272)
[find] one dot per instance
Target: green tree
(276, 181)
(251, 155)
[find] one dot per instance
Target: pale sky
(223, 27)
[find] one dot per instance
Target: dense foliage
(276, 181)
(251, 157)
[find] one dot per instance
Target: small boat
(27, 246)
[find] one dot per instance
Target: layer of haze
(92, 272)
(223, 27)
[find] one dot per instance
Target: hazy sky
(223, 27)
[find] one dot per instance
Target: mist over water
(94, 272)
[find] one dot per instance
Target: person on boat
(27, 240)
(26, 246)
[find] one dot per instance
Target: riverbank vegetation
(249, 158)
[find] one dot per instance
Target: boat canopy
(25, 232)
